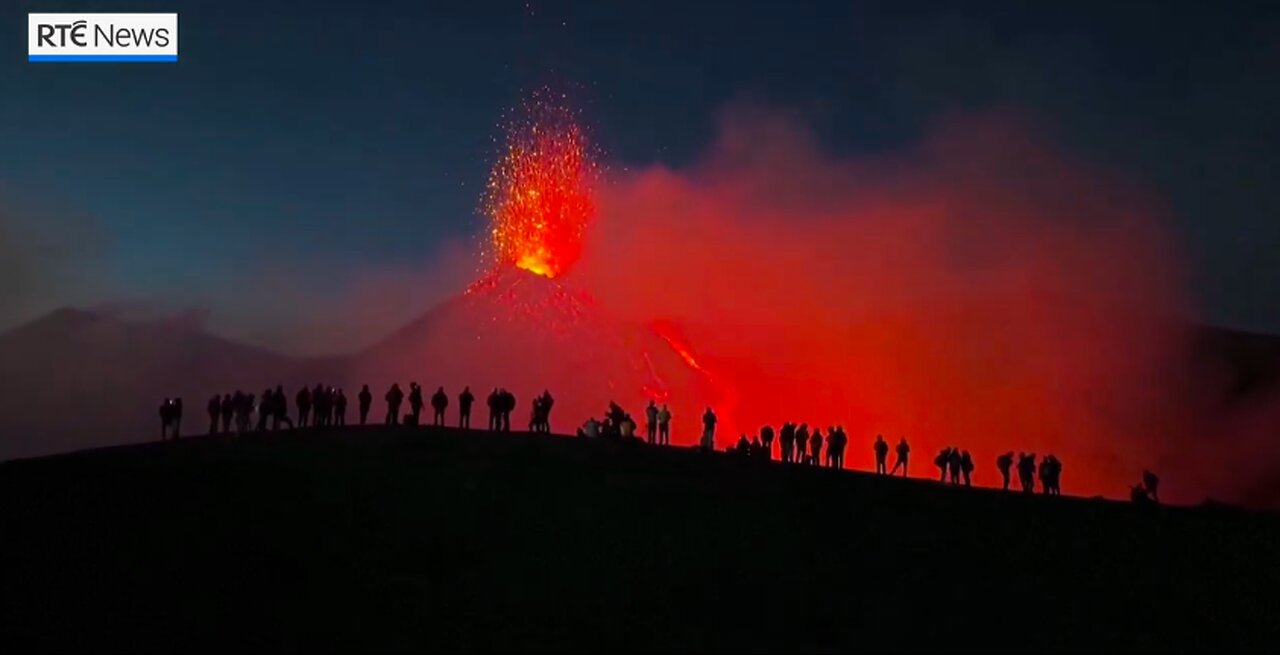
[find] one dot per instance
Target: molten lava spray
(540, 193)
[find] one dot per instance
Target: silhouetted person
(787, 441)
(322, 399)
(303, 400)
(651, 422)
(744, 446)
(709, 429)
(627, 428)
(465, 400)
(536, 413)
(365, 398)
(317, 406)
(1055, 475)
(966, 467)
(241, 403)
(766, 441)
(802, 444)
(903, 452)
(340, 407)
(215, 409)
(815, 447)
(280, 408)
(266, 410)
(836, 441)
(415, 404)
(228, 409)
(1046, 486)
(942, 461)
(166, 418)
(1027, 471)
(1151, 482)
(955, 464)
(394, 397)
(664, 425)
(882, 455)
(507, 404)
(494, 411)
(439, 403)
(547, 403)
(1140, 495)
(177, 417)
(1005, 464)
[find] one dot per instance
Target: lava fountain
(539, 198)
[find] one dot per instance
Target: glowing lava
(540, 199)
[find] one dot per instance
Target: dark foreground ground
(416, 540)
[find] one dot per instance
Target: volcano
(526, 332)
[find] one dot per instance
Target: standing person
(394, 397)
(303, 399)
(1005, 464)
(1027, 471)
(954, 465)
(267, 409)
(495, 411)
(439, 403)
(280, 405)
(815, 447)
(465, 400)
(904, 451)
(882, 455)
(166, 418)
(340, 408)
(1151, 484)
(709, 429)
(664, 426)
(966, 467)
(365, 397)
(415, 404)
(215, 410)
(177, 417)
(802, 444)
(228, 409)
(651, 422)
(787, 440)
(507, 403)
(766, 441)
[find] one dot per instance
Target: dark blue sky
(334, 135)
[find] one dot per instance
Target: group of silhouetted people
(1049, 472)
(617, 424)
(540, 415)
(657, 424)
(955, 465)
(324, 406)
(501, 403)
(319, 407)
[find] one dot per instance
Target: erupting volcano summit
(540, 192)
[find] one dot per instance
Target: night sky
(297, 142)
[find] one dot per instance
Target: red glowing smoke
(977, 290)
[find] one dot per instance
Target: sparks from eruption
(540, 195)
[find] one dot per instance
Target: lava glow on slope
(539, 198)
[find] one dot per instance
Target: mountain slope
(416, 540)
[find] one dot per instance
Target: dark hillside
(419, 539)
